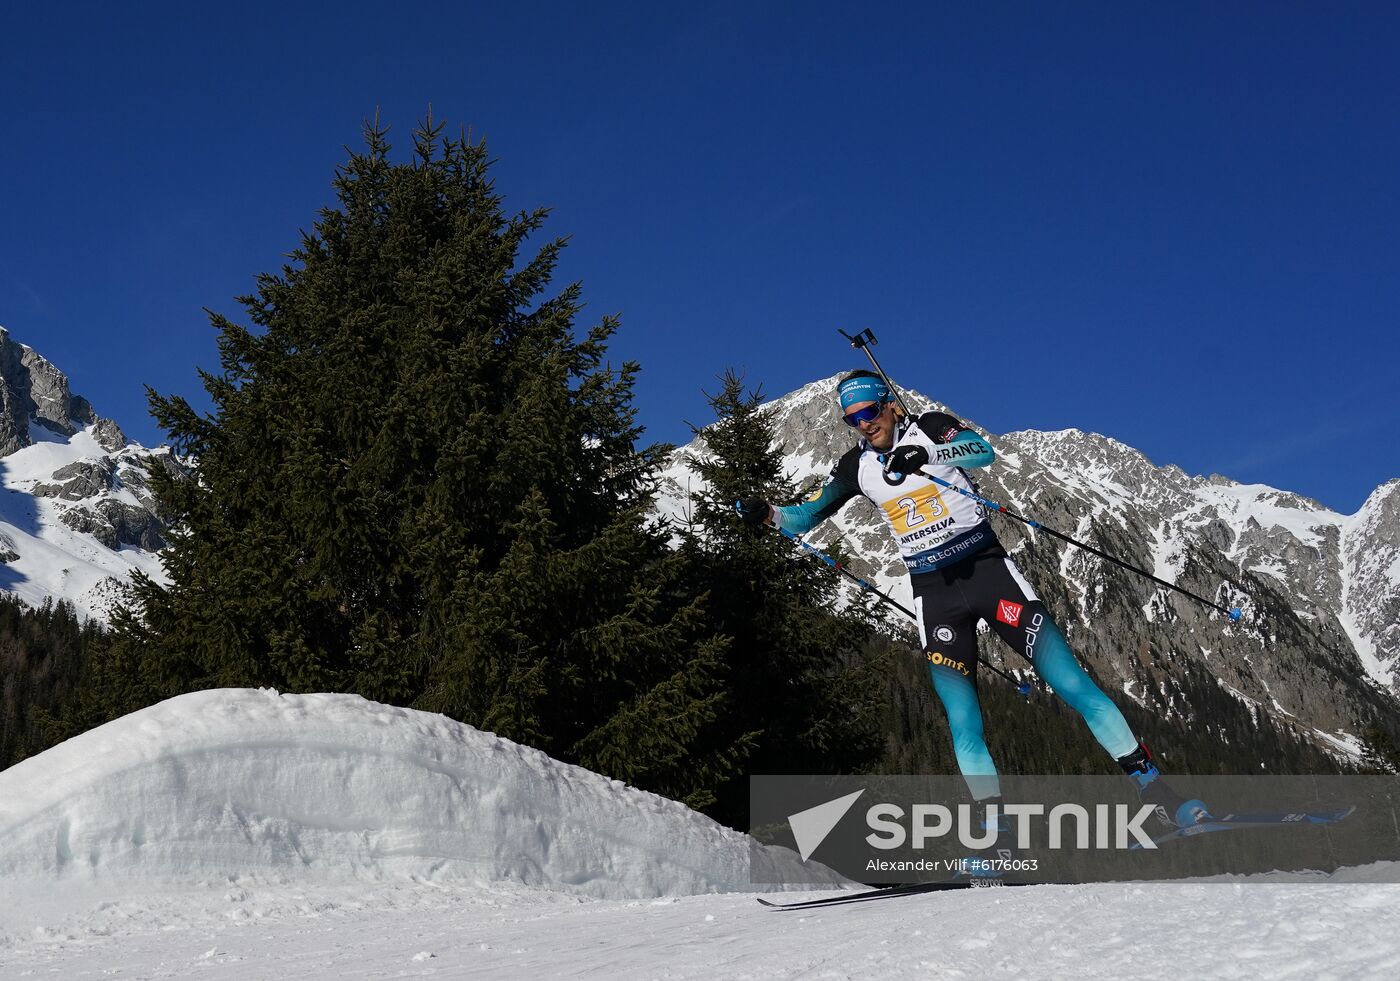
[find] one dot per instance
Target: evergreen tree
(804, 697)
(42, 654)
(417, 484)
(1380, 753)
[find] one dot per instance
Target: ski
(1228, 822)
(1254, 819)
(890, 892)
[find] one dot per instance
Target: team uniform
(960, 573)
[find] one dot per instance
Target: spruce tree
(42, 654)
(804, 695)
(416, 483)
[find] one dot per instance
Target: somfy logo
(810, 827)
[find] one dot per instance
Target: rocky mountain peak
(76, 511)
(34, 392)
(1370, 549)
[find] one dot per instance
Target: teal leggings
(990, 587)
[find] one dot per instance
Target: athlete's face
(879, 431)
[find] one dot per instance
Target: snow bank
(329, 788)
(369, 841)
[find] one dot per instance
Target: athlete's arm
(839, 488)
(952, 444)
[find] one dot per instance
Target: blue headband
(862, 389)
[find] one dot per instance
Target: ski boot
(993, 865)
(1176, 810)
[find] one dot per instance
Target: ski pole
(1024, 687)
(1234, 613)
(864, 341)
(866, 338)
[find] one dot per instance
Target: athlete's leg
(998, 593)
(1007, 602)
(950, 646)
(1056, 663)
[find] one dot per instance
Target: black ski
(1255, 819)
(890, 892)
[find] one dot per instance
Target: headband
(862, 389)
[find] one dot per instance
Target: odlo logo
(1033, 634)
(937, 659)
(944, 634)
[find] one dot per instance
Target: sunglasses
(868, 414)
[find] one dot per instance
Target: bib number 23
(915, 510)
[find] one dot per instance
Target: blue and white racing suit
(960, 573)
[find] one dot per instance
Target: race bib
(916, 510)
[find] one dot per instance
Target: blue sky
(1178, 225)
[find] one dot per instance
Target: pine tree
(1380, 753)
(42, 655)
(417, 484)
(804, 695)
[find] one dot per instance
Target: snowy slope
(1371, 579)
(77, 515)
(246, 834)
(1088, 933)
(50, 559)
(335, 788)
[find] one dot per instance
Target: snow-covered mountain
(1319, 647)
(76, 514)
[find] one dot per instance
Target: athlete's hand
(904, 460)
(754, 510)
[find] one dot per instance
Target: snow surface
(334, 788)
(247, 834)
(1271, 508)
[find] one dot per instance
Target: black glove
(904, 460)
(754, 511)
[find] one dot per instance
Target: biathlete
(960, 573)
